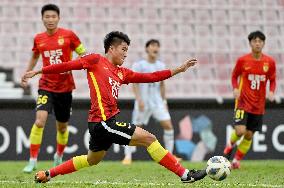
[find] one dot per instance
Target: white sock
(184, 176)
(128, 151)
(169, 140)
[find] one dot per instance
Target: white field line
(140, 183)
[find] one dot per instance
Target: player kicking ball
(105, 77)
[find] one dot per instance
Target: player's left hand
(188, 63)
(30, 74)
(271, 96)
(24, 82)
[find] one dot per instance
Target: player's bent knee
(40, 123)
(240, 132)
(248, 135)
(62, 129)
(150, 139)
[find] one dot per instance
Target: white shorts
(142, 118)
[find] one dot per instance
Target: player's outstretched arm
(57, 68)
(135, 77)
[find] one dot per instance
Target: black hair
(256, 34)
(152, 41)
(115, 38)
(50, 7)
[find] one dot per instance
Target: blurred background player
(105, 77)
(150, 99)
(253, 70)
(55, 46)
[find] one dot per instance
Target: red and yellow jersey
(104, 80)
(55, 49)
(253, 75)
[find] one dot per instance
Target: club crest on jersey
(265, 67)
(120, 75)
(60, 41)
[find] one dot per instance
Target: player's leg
(163, 116)
(62, 110)
(99, 143)
(242, 149)
(72, 165)
(143, 138)
(62, 135)
(44, 105)
(139, 118)
(168, 135)
(254, 123)
(240, 119)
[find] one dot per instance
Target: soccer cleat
(42, 177)
(236, 164)
(57, 160)
(194, 175)
(30, 167)
(126, 161)
(228, 151)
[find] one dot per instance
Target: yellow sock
(234, 137)
(156, 151)
(166, 159)
(36, 135)
(35, 141)
(80, 162)
(244, 146)
(62, 138)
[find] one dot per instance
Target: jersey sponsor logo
(115, 85)
(60, 40)
(120, 75)
(256, 80)
(54, 56)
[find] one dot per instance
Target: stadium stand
(214, 31)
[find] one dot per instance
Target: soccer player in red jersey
(253, 70)
(105, 77)
(55, 46)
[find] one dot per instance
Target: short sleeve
(35, 47)
(76, 44)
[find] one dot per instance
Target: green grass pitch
(266, 173)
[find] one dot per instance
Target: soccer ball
(218, 168)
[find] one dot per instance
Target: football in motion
(218, 168)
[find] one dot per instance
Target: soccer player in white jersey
(150, 99)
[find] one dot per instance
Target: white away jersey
(149, 92)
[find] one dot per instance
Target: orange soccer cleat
(42, 177)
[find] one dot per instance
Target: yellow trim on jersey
(80, 49)
(98, 95)
(240, 89)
